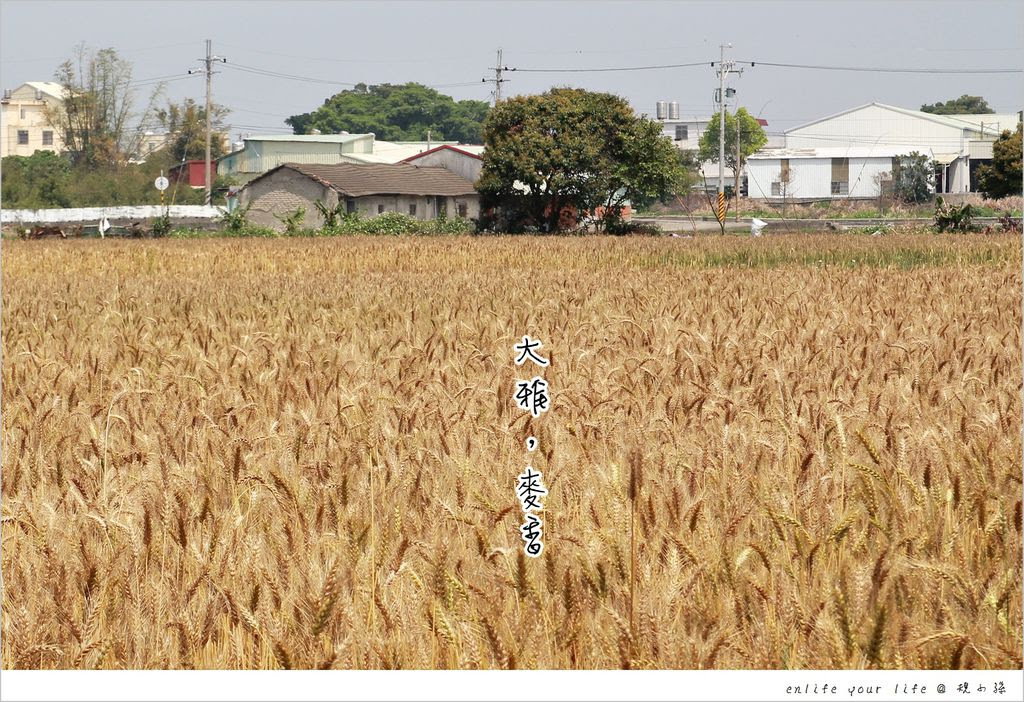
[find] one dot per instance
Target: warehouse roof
(313, 138)
(356, 180)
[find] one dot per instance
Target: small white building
(820, 173)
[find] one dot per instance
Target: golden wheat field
(790, 452)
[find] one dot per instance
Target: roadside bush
(235, 220)
(954, 218)
(394, 224)
(161, 225)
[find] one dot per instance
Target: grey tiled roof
(356, 180)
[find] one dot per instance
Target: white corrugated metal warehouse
(846, 154)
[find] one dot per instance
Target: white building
(847, 154)
(820, 174)
(26, 125)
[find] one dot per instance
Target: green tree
(752, 138)
(396, 113)
(186, 123)
(963, 105)
(96, 112)
(646, 167)
(36, 181)
(913, 178)
(1002, 177)
(570, 150)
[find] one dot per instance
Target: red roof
(762, 122)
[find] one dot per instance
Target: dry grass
(830, 453)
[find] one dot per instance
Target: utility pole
(736, 187)
(208, 69)
(498, 80)
(724, 68)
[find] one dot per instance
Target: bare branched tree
(97, 107)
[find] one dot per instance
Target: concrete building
(423, 192)
(820, 173)
(25, 127)
(148, 144)
(465, 160)
(957, 144)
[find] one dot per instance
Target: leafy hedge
(235, 223)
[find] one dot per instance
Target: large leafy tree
(96, 115)
(186, 123)
(963, 105)
(751, 134)
(405, 112)
(570, 150)
(913, 178)
(1002, 177)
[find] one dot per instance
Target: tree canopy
(571, 150)
(913, 179)
(186, 122)
(963, 105)
(396, 113)
(752, 138)
(1002, 177)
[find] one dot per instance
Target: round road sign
(161, 183)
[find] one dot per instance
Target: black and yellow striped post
(721, 207)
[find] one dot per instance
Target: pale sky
(452, 45)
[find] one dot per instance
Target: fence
(115, 215)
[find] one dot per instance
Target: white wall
(812, 177)
(90, 214)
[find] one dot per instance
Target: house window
(23, 137)
(463, 210)
(47, 138)
(21, 112)
(682, 132)
(412, 209)
(442, 206)
(776, 189)
(840, 176)
(350, 205)
(380, 209)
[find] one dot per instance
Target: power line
(865, 69)
(286, 76)
(608, 69)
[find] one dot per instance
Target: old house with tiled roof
(424, 192)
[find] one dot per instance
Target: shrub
(954, 218)
(235, 220)
(394, 224)
(292, 221)
(161, 225)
